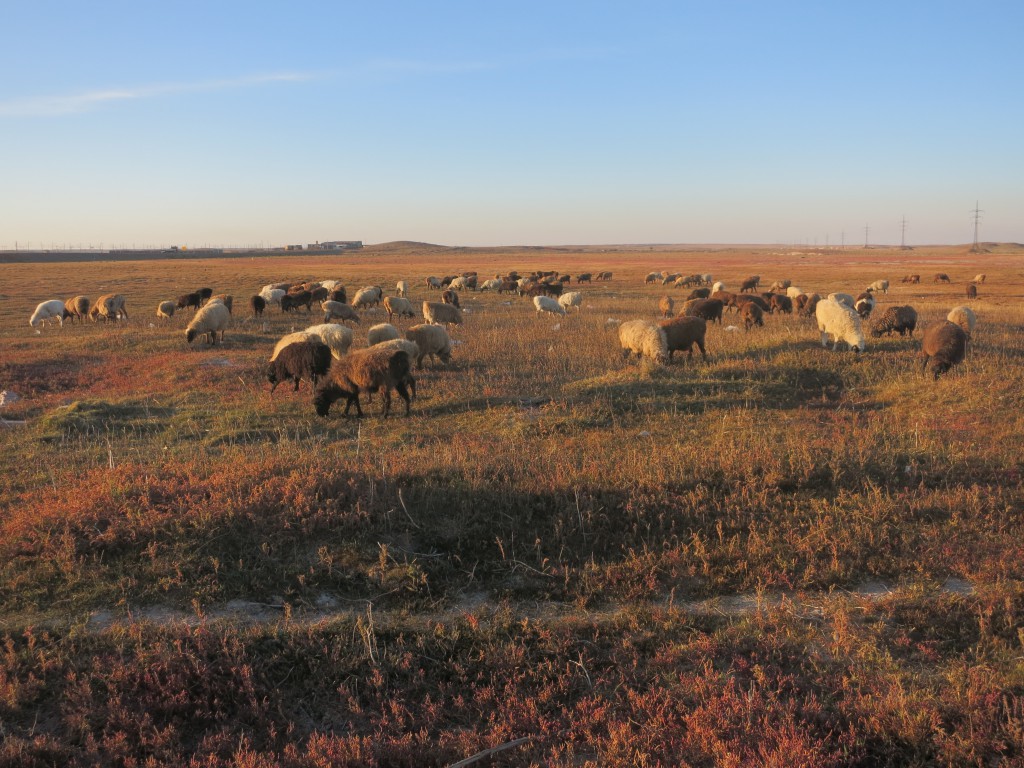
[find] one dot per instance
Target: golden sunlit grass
(632, 564)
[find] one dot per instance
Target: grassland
(785, 555)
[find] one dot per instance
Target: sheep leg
(703, 353)
(387, 400)
(297, 380)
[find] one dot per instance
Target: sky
(223, 123)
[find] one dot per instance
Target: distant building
(293, 247)
(338, 245)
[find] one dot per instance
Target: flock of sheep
(321, 354)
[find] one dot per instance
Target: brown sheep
(750, 284)
(338, 295)
(972, 291)
(450, 297)
(944, 345)
(709, 310)
(682, 333)
(941, 277)
(739, 301)
(205, 293)
(780, 303)
(193, 300)
(901, 320)
(752, 315)
(913, 279)
(810, 304)
(699, 293)
(584, 278)
(299, 360)
(366, 370)
(258, 304)
(665, 306)
(76, 307)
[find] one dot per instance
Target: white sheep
(459, 283)
(645, 339)
(706, 278)
(166, 309)
(840, 322)
(337, 337)
(210, 319)
(652, 277)
(547, 304)
(48, 310)
(395, 305)
(330, 285)
(335, 310)
(368, 297)
(979, 278)
(490, 285)
(272, 295)
(410, 347)
(964, 317)
(718, 286)
(879, 285)
(571, 299)
(842, 298)
(793, 291)
(290, 338)
(441, 314)
(381, 332)
(431, 340)
(402, 288)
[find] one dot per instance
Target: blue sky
(229, 123)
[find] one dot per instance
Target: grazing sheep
(740, 300)
(752, 315)
(441, 314)
(843, 298)
(48, 310)
(336, 310)
(864, 303)
(309, 359)
(338, 294)
(912, 279)
(225, 299)
(431, 340)
(728, 298)
(448, 296)
(458, 284)
(212, 318)
(666, 305)
(972, 291)
(879, 285)
(681, 333)
(699, 293)
(491, 285)
(709, 310)
(77, 307)
(571, 299)
(604, 276)
(780, 285)
(780, 303)
(396, 305)
(652, 277)
(901, 320)
(337, 337)
(508, 286)
(433, 283)
(319, 293)
(402, 289)
(257, 303)
(547, 304)
(205, 293)
(944, 345)
(110, 307)
(330, 285)
(750, 284)
(365, 371)
(673, 278)
(584, 278)
(381, 332)
(718, 287)
(979, 278)
(644, 339)
(166, 309)
(273, 295)
(793, 291)
(291, 338)
(964, 317)
(840, 322)
(369, 296)
(193, 300)
(810, 305)
(940, 277)
(292, 301)
(706, 278)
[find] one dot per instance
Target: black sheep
(299, 360)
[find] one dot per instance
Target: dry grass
(554, 544)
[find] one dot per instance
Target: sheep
(508, 286)
(491, 285)
(459, 283)
(398, 306)
(543, 289)
(365, 371)
(652, 277)
(841, 322)
(699, 293)
(940, 277)
(843, 298)
(681, 333)
(402, 289)
(448, 296)
(193, 300)
(292, 301)
(212, 318)
(330, 285)
(547, 304)
(964, 317)
(752, 315)
(709, 310)
(912, 279)
(258, 304)
(381, 332)
(718, 287)
(367, 297)
(780, 303)
(292, 338)
(226, 299)
(309, 359)
(979, 278)
(205, 293)
(110, 307)
(672, 278)
(793, 291)
(727, 298)
(900, 319)
(740, 300)
(879, 285)
(319, 293)
(272, 295)
(166, 309)
(337, 337)
(583, 278)
(48, 310)
(780, 285)
(944, 345)
(432, 340)
(338, 294)
(644, 339)
(604, 276)
(864, 303)
(972, 291)
(441, 314)
(706, 278)
(810, 305)
(571, 299)
(666, 305)
(336, 310)
(77, 307)
(750, 284)
(433, 283)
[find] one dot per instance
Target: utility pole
(977, 217)
(842, 239)
(867, 229)
(903, 233)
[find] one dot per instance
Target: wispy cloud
(69, 104)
